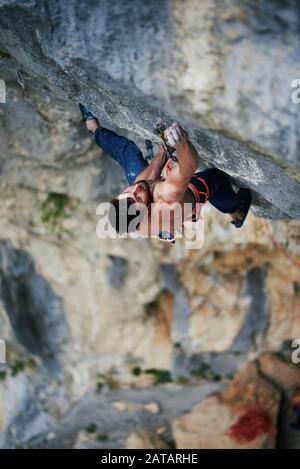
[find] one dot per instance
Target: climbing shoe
(87, 115)
(246, 199)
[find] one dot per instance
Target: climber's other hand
(175, 135)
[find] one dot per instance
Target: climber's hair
(118, 215)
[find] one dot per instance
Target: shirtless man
(182, 187)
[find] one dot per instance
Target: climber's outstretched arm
(153, 171)
(188, 158)
(178, 179)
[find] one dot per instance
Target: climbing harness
(198, 194)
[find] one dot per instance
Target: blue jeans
(222, 195)
(122, 150)
(130, 157)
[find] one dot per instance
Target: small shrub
(102, 437)
(107, 380)
(91, 428)
(136, 371)
(21, 364)
(54, 210)
(161, 376)
(17, 367)
(182, 380)
(204, 372)
(4, 55)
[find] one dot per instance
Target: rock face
(131, 65)
(145, 441)
(286, 378)
(243, 416)
(126, 343)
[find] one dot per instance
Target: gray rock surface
(121, 335)
(124, 61)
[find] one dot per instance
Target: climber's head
(139, 192)
(128, 208)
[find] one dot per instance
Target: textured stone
(60, 43)
(145, 440)
(108, 310)
(285, 375)
(241, 286)
(36, 314)
(243, 416)
(151, 407)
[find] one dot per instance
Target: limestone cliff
(121, 343)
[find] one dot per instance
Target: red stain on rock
(250, 425)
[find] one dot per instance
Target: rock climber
(181, 185)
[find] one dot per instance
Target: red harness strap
(197, 208)
(199, 193)
(191, 185)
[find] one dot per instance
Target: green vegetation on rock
(161, 376)
(102, 437)
(91, 428)
(204, 372)
(108, 380)
(4, 55)
(20, 365)
(54, 210)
